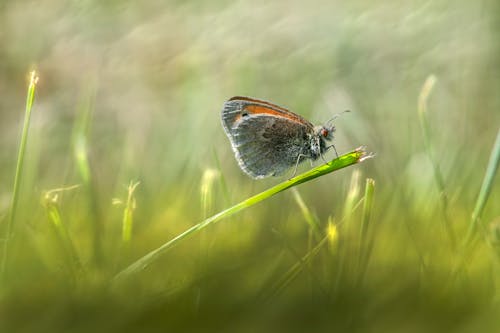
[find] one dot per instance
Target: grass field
(117, 149)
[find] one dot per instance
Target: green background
(142, 84)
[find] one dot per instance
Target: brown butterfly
(268, 139)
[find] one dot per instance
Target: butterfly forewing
(237, 107)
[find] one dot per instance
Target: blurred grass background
(133, 91)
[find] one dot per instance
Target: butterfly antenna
(335, 116)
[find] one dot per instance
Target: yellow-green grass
(126, 155)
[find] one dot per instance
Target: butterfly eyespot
(244, 114)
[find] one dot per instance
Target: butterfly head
(325, 132)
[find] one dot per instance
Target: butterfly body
(267, 139)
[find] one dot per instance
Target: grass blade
(207, 190)
(128, 213)
(30, 98)
(346, 160)
(438, 176)
(81, 133)
(51, 203)
(364, 246)
(352, 197)
(295, 270)
(367, 208)
(311, 220)
(484, 193)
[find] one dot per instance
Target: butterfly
(268, 139)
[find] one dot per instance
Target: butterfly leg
(327, 148)
(297, 165)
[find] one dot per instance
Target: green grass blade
(207, 191)
(311, 220)
(352, 197)
(485, 191)
(331, 239)
(128, 213)
(222, 179)
(81, 135)
(346, 160)
(295, 270)
(30, 98)
(51, 203)
(367, 208)
(364, 246)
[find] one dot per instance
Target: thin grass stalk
(51, 202)
(314, 232)
(364, 247)
(296, 269)
(128, 213)
(222, 180)
(485, 190)
(207, 191)
(346, 160)
(352, 196)
(330, 239)
(30, 98)
(311, 220)
(80, 150)
(344, 246)
(438, 176)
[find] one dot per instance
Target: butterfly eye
(324, 132)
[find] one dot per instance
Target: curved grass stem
(353, 157)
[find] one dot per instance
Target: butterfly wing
(266, 138)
